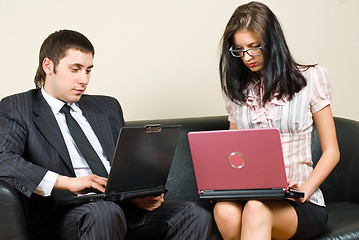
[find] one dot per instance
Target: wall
(159, 58)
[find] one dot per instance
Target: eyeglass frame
(246, 51)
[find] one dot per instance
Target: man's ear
(48, 66)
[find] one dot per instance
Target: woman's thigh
(270, 218)
(296, 220)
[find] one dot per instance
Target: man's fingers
(149, 203)
(155, 198)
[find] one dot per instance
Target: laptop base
(114, 197)
(249, 194)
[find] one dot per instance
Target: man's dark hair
(55, 47)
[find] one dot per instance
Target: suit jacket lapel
(101, 126)
(49, 128)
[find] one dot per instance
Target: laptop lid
(141, 164)
(249, 161)
(143, 158)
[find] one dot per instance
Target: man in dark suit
(41, 159)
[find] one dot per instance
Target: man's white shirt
(79, 163)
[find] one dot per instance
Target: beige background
(159, 58)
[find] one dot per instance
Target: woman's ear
(48, 66)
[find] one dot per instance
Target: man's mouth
(80, 91)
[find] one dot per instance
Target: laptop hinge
(153, 128)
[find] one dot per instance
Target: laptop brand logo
(236, 160)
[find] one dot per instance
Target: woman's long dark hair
(281, 73)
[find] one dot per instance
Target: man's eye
(75, 69)
(88, 71)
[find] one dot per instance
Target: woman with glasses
(264, 87)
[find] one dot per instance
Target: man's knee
(193, 219)
(97, 220)
(200, 212)
(107, 221)
(190, 210)
(108, 212)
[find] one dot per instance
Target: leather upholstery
(340, 189)
(12, 217)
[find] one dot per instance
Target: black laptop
(141, 164)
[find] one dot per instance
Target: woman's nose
(246, 56)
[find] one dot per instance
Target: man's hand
(81, 185)
(149, 203)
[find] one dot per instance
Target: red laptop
(240, 164)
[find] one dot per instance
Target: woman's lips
(250, 65)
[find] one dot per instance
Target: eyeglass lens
(251, 52)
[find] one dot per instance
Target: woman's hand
(295, 186)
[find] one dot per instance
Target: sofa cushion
(343, 221)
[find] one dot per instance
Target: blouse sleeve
(321, 90)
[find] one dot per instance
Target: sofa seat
(343, 222)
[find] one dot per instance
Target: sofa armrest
(12, 217)
(342, 183)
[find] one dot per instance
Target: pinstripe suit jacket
(31, 143)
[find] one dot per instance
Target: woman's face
(245, 40)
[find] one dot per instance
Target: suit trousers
(172, 220)
(97, 220)
(110, 221)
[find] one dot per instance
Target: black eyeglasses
(251, 52)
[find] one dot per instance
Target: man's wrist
(47, 184)
(62, 183)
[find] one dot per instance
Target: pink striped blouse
(293, 119)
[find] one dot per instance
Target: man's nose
(84, 78)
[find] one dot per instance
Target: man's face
(69, 79)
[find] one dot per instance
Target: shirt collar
(57, 104)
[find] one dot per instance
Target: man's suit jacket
(31, 143)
